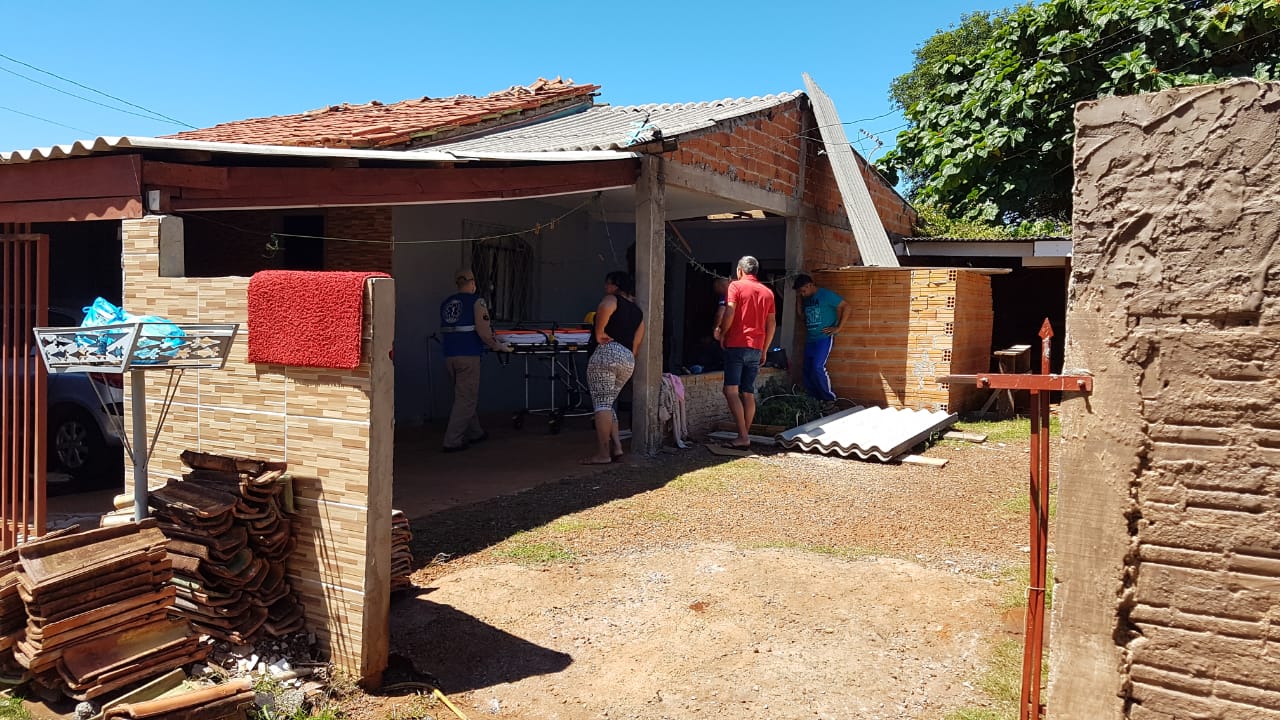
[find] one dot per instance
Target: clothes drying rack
(137, 349)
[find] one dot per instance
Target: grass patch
(11, 708)
(418, 705)
(575, 525)
(719, 478)
(1021, 505)
(1007, 431)
(523, 549)
(846, 553)
(1019, 579)
(660, 516)
(1001, 683)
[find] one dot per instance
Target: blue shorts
(741, 365)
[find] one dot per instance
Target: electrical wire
(161, 116)
(75, 95)
(43, 119)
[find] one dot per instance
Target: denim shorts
(741, 365)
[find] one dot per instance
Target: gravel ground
(785, 585)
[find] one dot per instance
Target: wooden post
(794, 254)
(651, 261)
(376, 627)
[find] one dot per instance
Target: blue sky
(208, 62)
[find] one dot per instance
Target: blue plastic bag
(104, 312)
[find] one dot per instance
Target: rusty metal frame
(24, 303)
(1029, 705)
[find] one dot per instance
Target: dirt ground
(785, 585)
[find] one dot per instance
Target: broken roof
(616, 127)
(378, 125)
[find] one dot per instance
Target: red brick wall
(764, 150)
(358, 223)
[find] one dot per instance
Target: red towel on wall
(308, 319)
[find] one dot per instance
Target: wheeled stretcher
(560, 351)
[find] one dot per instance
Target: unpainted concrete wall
(1168, 522)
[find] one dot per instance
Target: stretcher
(560, 351)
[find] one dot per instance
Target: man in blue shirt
(823, 313)
(465, 333)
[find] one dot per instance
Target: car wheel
(76, 446)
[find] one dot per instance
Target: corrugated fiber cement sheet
(867, 433)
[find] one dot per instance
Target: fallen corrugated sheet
(872, 433)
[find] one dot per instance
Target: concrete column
(651, 261)
(788, 338)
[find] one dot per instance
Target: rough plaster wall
(1168, 555)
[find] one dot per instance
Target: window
(303, 253)
(503, 261)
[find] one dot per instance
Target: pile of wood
(229, 538)
(96, 606)
(401, 552)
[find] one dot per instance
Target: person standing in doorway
(466, 332)
(746, 332)
(823, 313)
(721, 288)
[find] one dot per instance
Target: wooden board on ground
(965, 436)
(922, 460)
(726, 436)
(756, 429)
(717, 449)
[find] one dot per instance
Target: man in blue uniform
(465, 333)
(823, 313)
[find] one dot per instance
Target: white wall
(572, 261)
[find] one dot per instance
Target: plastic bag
(158, 333)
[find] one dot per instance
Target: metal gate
(24, 304)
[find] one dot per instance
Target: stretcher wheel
(517, 420)
(557, 419)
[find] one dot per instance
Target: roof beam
(104, 208)
(268, 187)
(110, 176)
(163, 174)
(709, 183)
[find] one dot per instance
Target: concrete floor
(428, 480)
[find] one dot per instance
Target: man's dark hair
(622, 280)
(800, 281)
(749, 265)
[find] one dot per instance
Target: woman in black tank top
(615, 338)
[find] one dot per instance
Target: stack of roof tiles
(97, 607)
(13, 618)
(401, 553)
(229, 540)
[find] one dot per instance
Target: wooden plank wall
(905, 328)
(333, 427)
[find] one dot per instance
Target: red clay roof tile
(378, 125)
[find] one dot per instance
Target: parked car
(85, 449)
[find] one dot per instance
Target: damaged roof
(380, 125)
(617, 127)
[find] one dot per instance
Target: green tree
(942, 48)
(993, 140)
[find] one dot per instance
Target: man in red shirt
(745, 332)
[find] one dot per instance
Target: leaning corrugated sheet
(867, 432)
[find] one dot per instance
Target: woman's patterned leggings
(608, 370)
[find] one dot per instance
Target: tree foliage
(992, 140)
(968, 38)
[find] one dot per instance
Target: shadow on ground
(467, 529)
(457, 652)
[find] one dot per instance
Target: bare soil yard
(785, 585)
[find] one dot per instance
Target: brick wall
(704, 399)
(905, 328)
(333, 428)
(225, 244)
(764, 150)
(1168, 524)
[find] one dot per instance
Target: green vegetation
(1006, 431)
(991, 119)
(570, 526)
(719, 478)
(780, 404)
(1019, 579)
(414, 707)
(1001, 683)
(11, 708)
(523, 549)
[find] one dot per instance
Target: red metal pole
(1029, 704)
